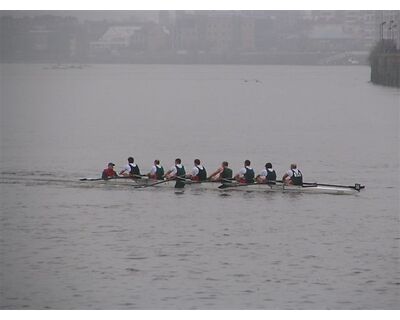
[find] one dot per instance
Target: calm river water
(67, 245)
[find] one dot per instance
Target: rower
(222, 173)
(293, 176)
(131, 169)
(246, 174)
(109, 172)
(157, 171)
(198, 173)
(178, 173)
(268, 175)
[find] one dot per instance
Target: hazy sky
(87, 15)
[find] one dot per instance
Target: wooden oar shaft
(152, 184)
(237, 185)
(176, 178)
(199, 182)
(112, 178)
(135, 176)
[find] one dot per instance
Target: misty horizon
(308, 37)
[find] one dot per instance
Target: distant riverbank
(183, 57)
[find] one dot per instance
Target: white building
(115, 38)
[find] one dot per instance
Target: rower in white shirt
(246, 174)
(198, 173)
(131, 169)
(267, 175)
(157, 171)
(293, 176)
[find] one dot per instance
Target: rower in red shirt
(109, 172)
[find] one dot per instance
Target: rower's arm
(240, 174)
(215, 173)
(212, 175)
(152, 172)
(167, 173)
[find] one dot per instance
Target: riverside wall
(385, 69)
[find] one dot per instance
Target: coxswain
(109, 172)
(246, 174)
(198, 173)
(131, 169)
(157, 171)
(178, 173)
(222, 173)
(268, 175)
(293, 176)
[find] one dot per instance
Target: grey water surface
(67, 244)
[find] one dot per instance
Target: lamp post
(393, 33)
(389, 30)
(381, 29)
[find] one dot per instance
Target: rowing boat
(232, 186)
(261, 187)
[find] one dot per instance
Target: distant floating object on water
(251, 80)
(64, 66)
(353, 61)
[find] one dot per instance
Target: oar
(271, 182)
(200, 182)
(133, 176)
(158, 182)
(228, 179)
(181, 178)
(356, 186)
(309, 185)
(117, 177)
(90, 179)
(236, 185)
(152, 184)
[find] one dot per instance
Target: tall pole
(381, 29)
(389, 31)
(393, 31)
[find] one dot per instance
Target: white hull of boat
(279, 187)
(261, 188)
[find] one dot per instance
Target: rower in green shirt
(178, 173)
(222, 173)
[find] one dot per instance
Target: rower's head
(268, 165)
(247, 163)
(197, 162)
(178, 161)
(293, 166)
(156, 162)
(111, 165)
(131, 160)
(225, 164)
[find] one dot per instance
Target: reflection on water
(118, 247)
